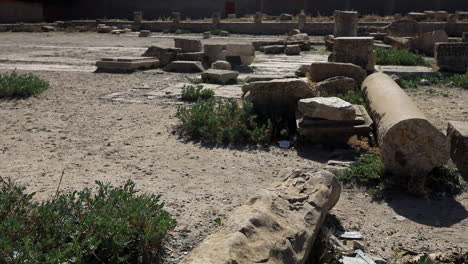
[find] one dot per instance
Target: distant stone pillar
(216, 19)
(137, 17)
(465, 37)
(346, 23)
(258, 18)
(451, 26)
(302, 20)
(176, 18)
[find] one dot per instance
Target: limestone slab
(126, 64)
(330, 108)
(184, 67)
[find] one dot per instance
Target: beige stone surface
(336, 85)
(219, 76)
(278, 225)
(409, 144)
(356, 50)
(188, 45)
(320, 71)
(329, 108)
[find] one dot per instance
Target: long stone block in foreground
(126, 64)
(409, 144)
(278, 225)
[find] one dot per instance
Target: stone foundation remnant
(355, 50)
(346, 23)
(278, 225)
(452, 57)
(457, 133)
(126, 64)
(240, 54)
(409, 144)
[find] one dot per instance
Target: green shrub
(215, 32)
(21, 85)
(353, 97)
(452, 80)
(366, 171)
(191, 93)
(109, 225)
(224, 122)
(399, 57)
(445, 179)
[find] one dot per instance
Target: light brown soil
(114, 127)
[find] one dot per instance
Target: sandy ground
(114, 127)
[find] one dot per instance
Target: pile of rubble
(293, 44)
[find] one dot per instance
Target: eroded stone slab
(329, 108)
(184, 67)
(126, 64)
(219, 76)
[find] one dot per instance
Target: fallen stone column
(409, 144)
(279, 225)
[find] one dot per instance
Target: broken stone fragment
(273, 49)
(188, 45)
(320, 71)
(457, 133)
(336, 85)
(292, 50)
(329, 108)
(278, 225)
(165, 55)
(221, 65)
(219, 76)
(144, 33)
(184, 67)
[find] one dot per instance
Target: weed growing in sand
(353, 97)
(193, 93)
(224, 122)
(107, 225)
(451, 80)
(399, 57)
(21, 85)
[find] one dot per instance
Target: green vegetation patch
(107, 225)
(369, 172)
(193, 93)
(451, 80)
(21, 85)
(399, 57)
(224, 122)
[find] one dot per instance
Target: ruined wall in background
(33, 11)
(19, 11)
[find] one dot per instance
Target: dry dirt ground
(114, 127)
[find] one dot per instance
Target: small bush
(224, 122)
(445, 179)
(452, 80)
(399, 57)
(353, 97)
(21, 85)
(215, 32)
(366, 171)
(194, 80)
(110, 225)
(192, 93)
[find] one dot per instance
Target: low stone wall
(265, 28)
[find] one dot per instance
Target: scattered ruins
(281, 223)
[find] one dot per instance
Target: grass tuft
(399, 57)
(15, 85)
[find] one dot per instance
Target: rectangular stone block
(126, 64)
(188, 45)
(452, 56)
(355, 50)
(334, 133)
